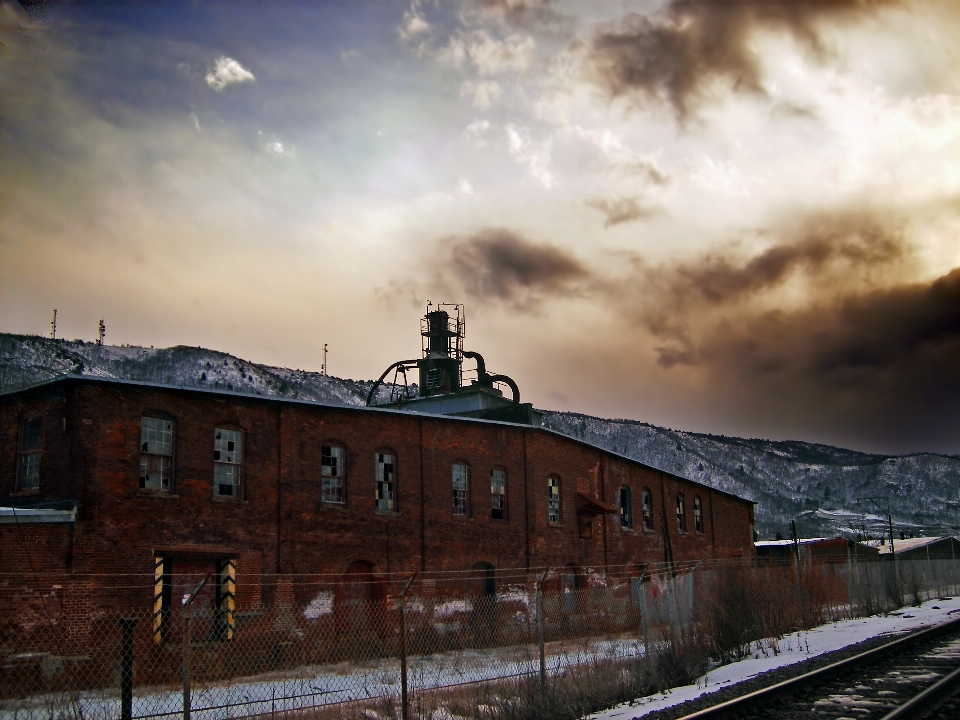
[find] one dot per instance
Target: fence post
(401, 605)
(126, 667)
(187, 605)
(543, 660)
(185, 643)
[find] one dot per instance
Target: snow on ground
(792, 649)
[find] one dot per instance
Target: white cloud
(477, 130)
(483, 92)
(526, 152)
(489, 55)
(228, 71)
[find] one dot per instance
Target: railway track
(916, 676)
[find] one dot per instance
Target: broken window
(553, 499)
(498, 494)
(461, 489)
(626, 508)
(31, 437)
(331, 471)
(646, 499)
(681, 515)
(156, 453)
(697, 514)
(386, 483)
(227, 462)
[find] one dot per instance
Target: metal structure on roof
(442, 386)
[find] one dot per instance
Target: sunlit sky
(736, 217)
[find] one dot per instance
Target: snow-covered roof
(802, 541)
(903, 545)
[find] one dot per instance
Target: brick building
(110, 478)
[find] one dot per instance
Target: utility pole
(885, 509)
(53, 326)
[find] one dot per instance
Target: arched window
(157, 440)
(646, 498)
(697, 514)
(227, 463)
(626, 508)
(460, 480)
(31, 441)
(386, 481)
(553, 499)
(331, 474)
(498, 494)
(681, 514)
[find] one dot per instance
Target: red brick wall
(280, 526)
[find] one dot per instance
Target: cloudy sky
(738, 217)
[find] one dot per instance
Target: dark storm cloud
(501, 265)
(672, 58)
(850, 240)
(621, 210)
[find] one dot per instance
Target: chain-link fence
(369, 645)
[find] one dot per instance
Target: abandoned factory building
(111, 477)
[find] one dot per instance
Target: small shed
(836, 550)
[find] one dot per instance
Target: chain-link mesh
(338, 646)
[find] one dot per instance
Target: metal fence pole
(401, 604)
(186, 662)
(543, 660)
(187, 604)
(126, 667)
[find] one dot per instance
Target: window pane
(626, 508)
(226, 479)
(154, 472)
(647, 500)
(30, 471)
(227, 446)
(498, 494)
(385, 482)
(461, 489)
(553, 500)
(331, 472)
(156, 436)
(32, 434)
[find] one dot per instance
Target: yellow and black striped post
(226, 596)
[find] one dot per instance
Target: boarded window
(156, 453)
(386, 482)
(331, 471)
(698, 514)
(626, 508)
(681, 514)
(498, 494)
(461, 489)
(647, 501)
(553, 499)
(227, 462)
(31, 438)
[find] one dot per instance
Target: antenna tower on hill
(53, 325)
(101, 332)
(323, 367)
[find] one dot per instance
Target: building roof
(905, 545)
(69, 377)
(802, 541)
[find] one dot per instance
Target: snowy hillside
(816, 485)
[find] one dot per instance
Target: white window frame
(228, 463)
(460, 483)
(385, 477)
(498, 494)
(158, 439)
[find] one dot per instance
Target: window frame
(342, 476)
(553, 481)
(239, 484)
(681, 513)
(461, 496)
(31, 455)
(646, 509)
(503, 495)
(392, 483)
(698, 514)
(172, 482)
(626, 511)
